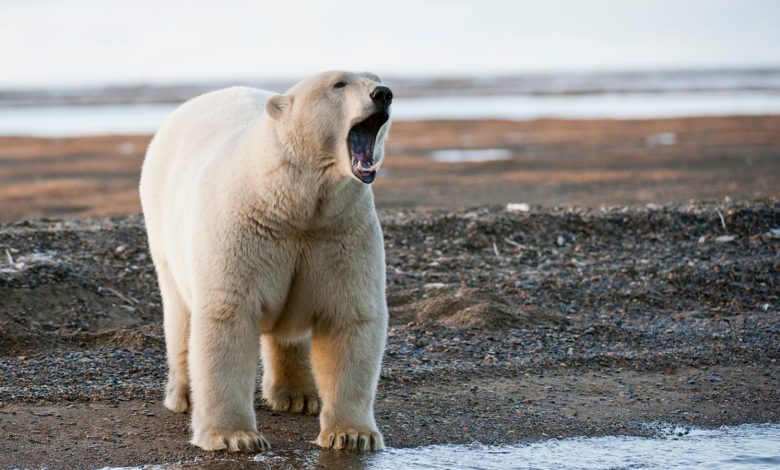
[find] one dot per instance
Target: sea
(141, 108)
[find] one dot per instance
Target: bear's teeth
(363, 166)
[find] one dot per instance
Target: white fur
(257, 228)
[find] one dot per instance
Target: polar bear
(263, 231)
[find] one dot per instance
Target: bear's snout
(382, 96)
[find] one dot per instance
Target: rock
(435, 285)
(518, 207)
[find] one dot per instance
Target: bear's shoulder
(229, 100)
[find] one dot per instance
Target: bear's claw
(234, 441)
(351, 439)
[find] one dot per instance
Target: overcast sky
(77, 42)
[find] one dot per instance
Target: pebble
(518, 207)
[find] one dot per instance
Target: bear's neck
(303, 196)
(304, 202)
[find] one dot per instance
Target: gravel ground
(505, 326)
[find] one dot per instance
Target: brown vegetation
(552, 162)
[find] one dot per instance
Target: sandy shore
(505, 327)
(549, 162)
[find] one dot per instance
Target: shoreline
(560, 83)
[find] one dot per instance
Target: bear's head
(336, 120)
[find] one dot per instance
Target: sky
(97, 42)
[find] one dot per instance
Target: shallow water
(138, 119)
(61, 121)
(751, 446)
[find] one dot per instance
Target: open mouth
(361, 141)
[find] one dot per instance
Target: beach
(546, 279)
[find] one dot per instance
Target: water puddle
(751, 446)
(470, 155)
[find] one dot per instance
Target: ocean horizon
(140, 109)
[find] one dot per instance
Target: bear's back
(209, 119)
(221, 111)
(190, 143)
(190, 136)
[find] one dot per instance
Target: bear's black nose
(382, 96)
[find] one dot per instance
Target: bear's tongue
(361, 148)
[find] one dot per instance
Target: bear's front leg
(346, 358)
(223, 368)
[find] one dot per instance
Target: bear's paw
(232, 441)
(294, 401)
(351, 439)
(177, 398)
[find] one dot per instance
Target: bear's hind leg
(288, 384)
(176, 322)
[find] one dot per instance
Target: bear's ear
(277, 106)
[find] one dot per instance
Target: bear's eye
(338, 85)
